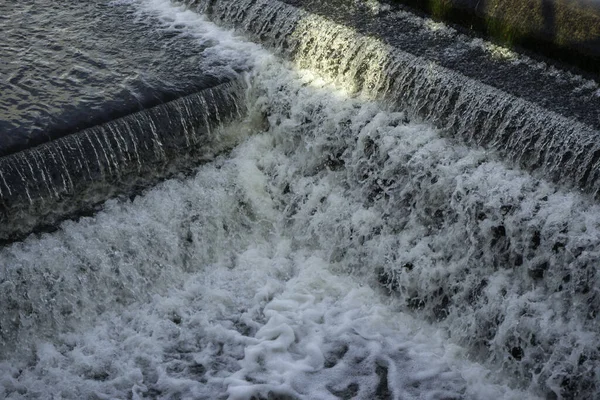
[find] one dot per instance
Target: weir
(17, 135)
(42, 185)
(70, 66)
(536, 117)
(344, 251)
(449, 235)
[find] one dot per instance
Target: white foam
(258, 275)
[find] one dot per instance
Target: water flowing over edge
(42, 185)
(561, 149)
(336, 190)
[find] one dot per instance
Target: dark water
(87, 73)
(68, 65)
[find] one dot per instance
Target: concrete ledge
(69, 176)
(536, 116)
(566, 30)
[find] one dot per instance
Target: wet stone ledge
(547, 84)
(566, 30)
(69, 176)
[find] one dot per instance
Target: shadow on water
(70, 176)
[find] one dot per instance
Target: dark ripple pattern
(67, 65)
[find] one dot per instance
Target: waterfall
(563, 149)
(42, 185)
(346, 249)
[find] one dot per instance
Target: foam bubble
(261, 274)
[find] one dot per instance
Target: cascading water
(70, 65)
(564, 149)
(344, 250)
(42, 185)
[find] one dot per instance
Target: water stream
(343, 248)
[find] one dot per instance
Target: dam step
(536, 116)
(43, 185)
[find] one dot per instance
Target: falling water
(346, 249)
(42, 185)
(562, 148)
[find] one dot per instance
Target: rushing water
(533, 137)
(341, 250)
(184, 94)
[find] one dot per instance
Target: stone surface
(568, 30)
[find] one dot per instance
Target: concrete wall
(568, 30)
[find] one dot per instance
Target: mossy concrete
(567, 30)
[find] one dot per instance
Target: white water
(258, 275)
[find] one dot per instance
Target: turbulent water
(362, 58)
(341, 250)
(41, 186)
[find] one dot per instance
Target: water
(173, 92)
(341, 250)
(69, 65)
(41, 186)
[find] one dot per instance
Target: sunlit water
(339, 251)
